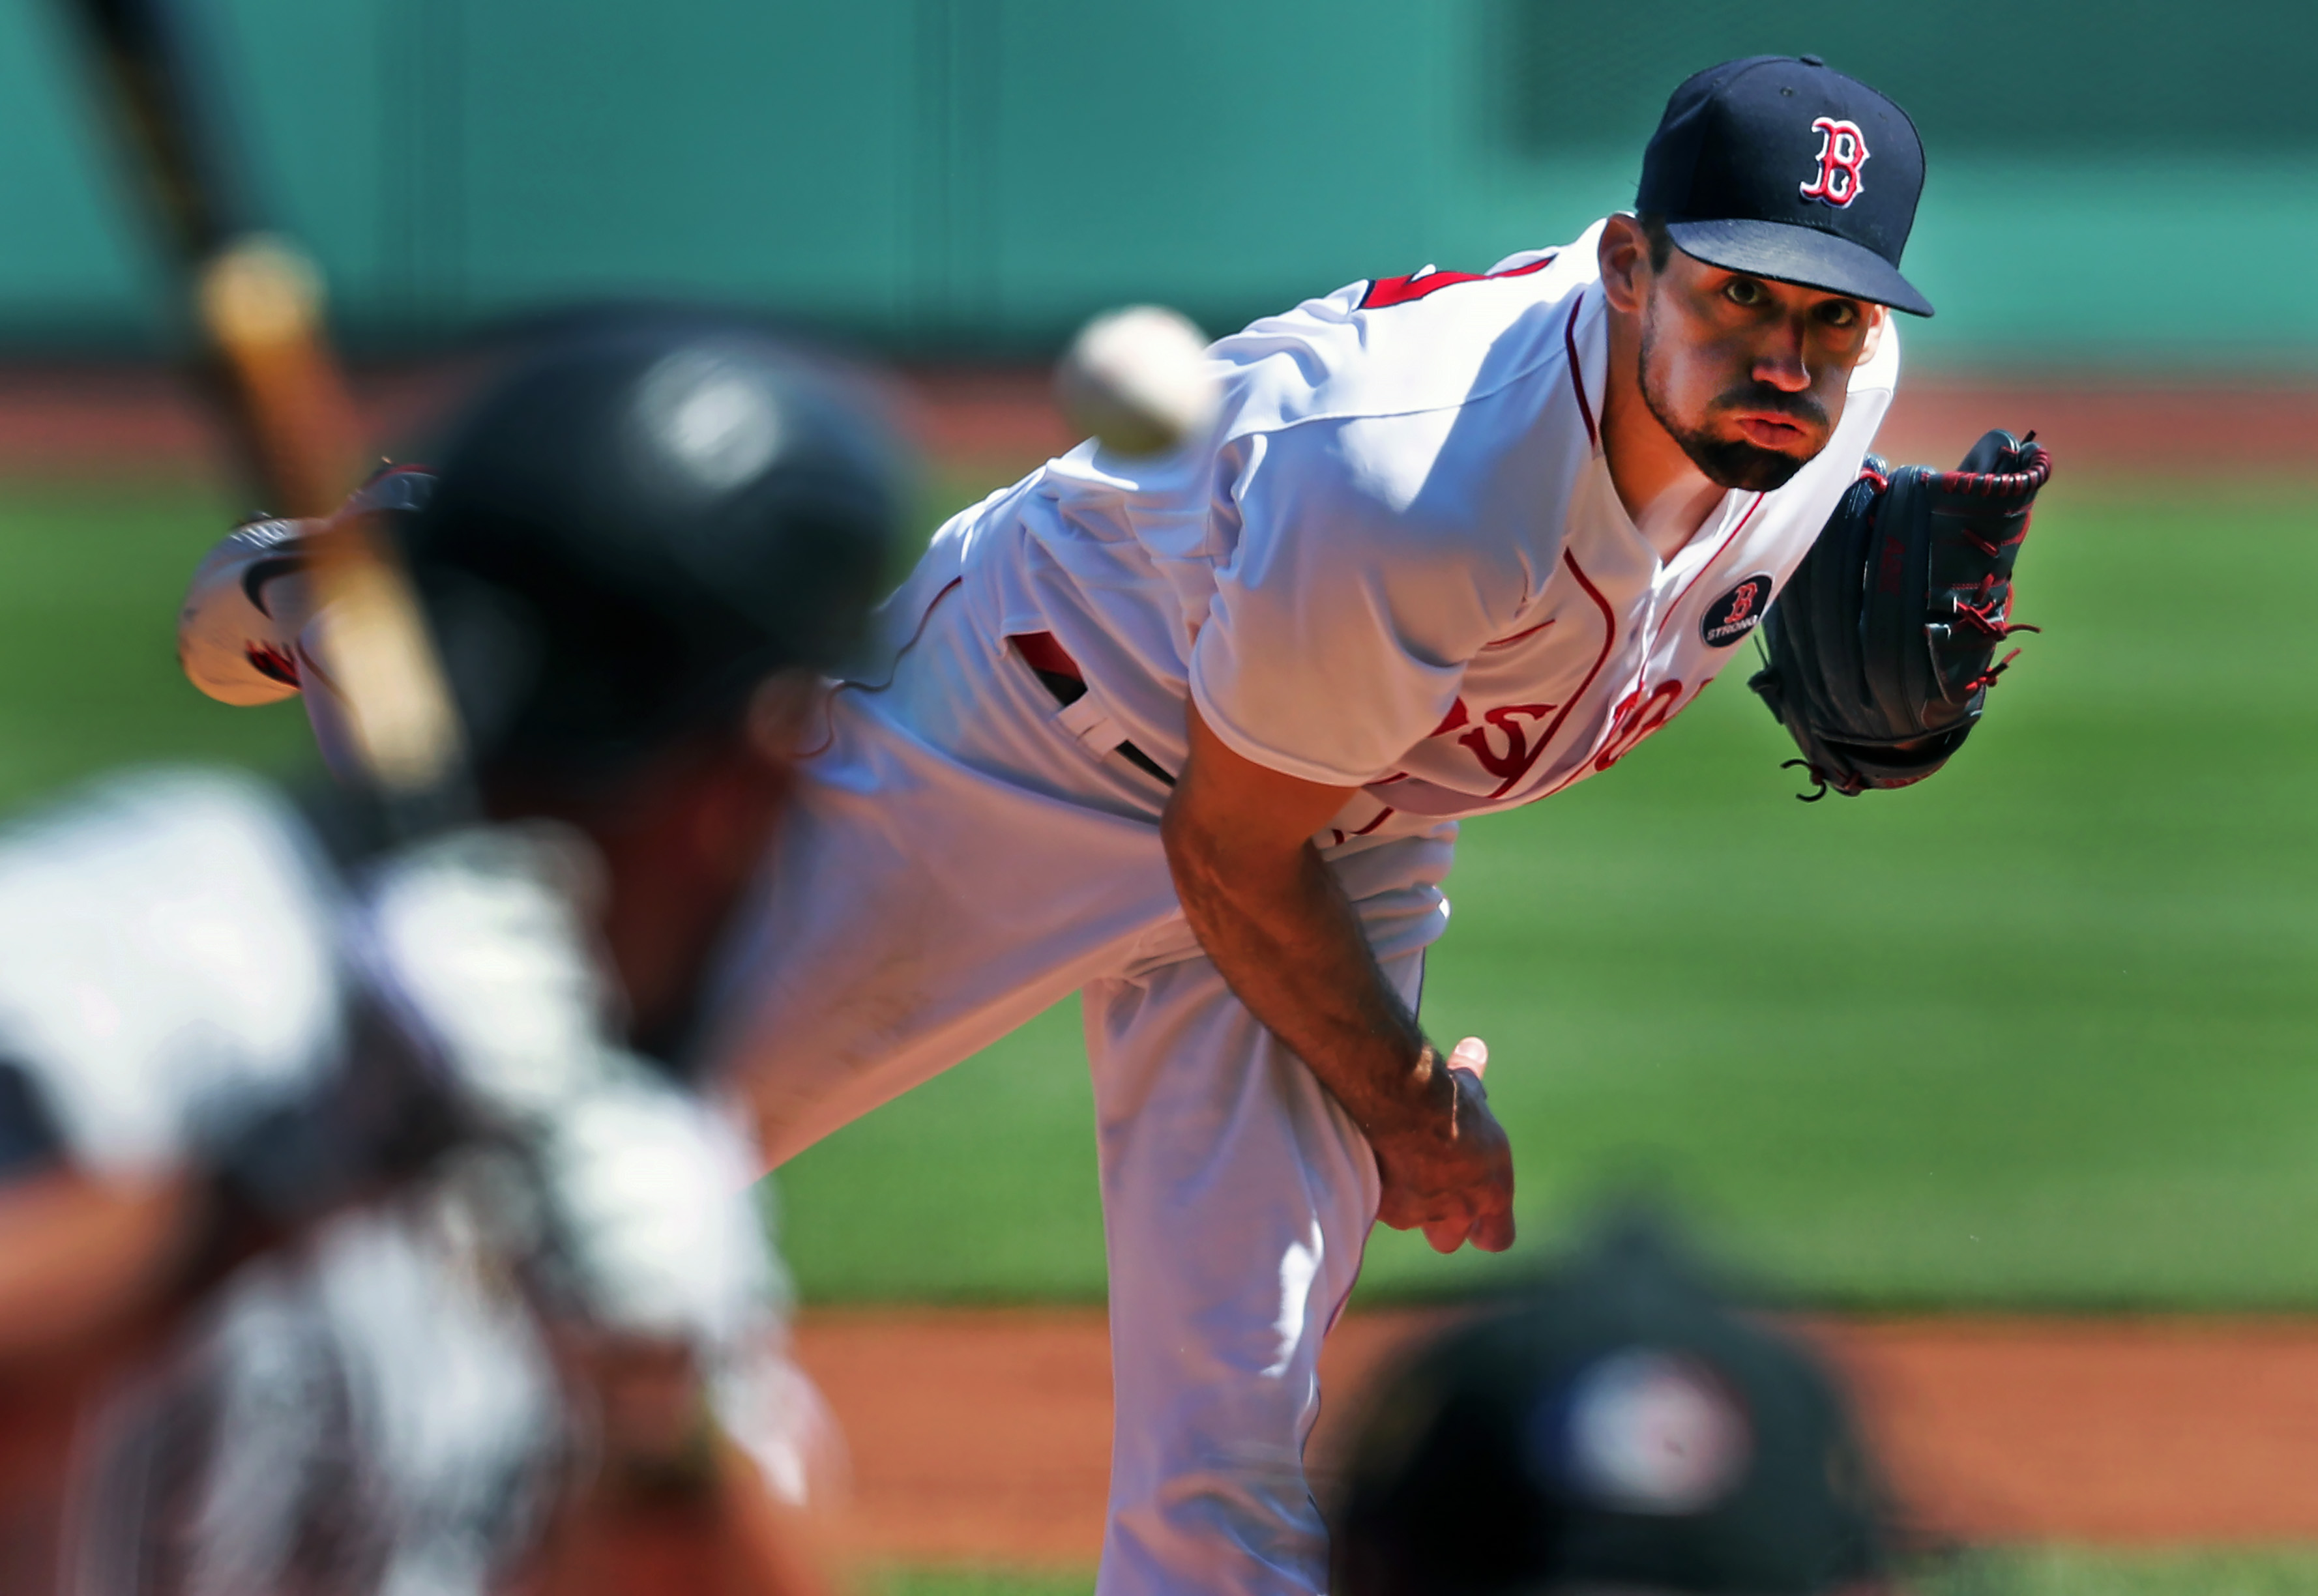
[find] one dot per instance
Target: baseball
(1137, 380)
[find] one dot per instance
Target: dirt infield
(985, 1435)
(92, 420)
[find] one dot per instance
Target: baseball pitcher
(1192, 737)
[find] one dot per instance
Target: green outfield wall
(2115, 184)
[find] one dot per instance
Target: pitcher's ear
(1878, 317)
(1623, 253)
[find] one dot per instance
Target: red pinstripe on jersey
(1383, 292)
(1507, 642)
(1577, 376)
(1531, 753)
(1728, 538)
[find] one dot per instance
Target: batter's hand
(1453, 1175)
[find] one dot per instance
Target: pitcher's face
(1749, 374)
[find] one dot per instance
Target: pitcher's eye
(1745, 290)
(1839, 313)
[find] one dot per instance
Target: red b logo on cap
(1842, 151)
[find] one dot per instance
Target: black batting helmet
(647, 513)
(1622, 1429)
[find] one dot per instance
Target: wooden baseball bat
(268, 367)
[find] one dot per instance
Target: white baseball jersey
(1399, 564)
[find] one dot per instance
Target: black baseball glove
(1879, 653)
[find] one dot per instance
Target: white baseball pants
(964, 854)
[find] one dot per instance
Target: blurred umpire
(1618, 1432)
(359, 1228)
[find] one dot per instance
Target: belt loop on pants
(1052, 664)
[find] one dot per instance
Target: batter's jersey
(1399, 564)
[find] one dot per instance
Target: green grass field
(2036, 1033)
(2044, 1571)
(87, 639)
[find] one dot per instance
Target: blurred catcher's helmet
(645, 516)
(1620, 1430)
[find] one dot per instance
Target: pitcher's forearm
(1291, 946)
(1279, 929)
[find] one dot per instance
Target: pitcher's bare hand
(1451, 1172)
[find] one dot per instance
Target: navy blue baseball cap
(1621, 1426)
(1781, 168)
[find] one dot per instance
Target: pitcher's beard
(1727, 462)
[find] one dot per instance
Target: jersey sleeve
(1348, 605)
